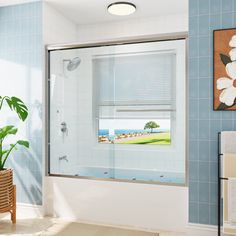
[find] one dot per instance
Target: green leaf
(16, 104)
(221, 107)
(7, 130)
(4, 152)
(225, 59)
(13, 146)
(23, 143)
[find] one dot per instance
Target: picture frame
(224, 69)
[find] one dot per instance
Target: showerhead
(73, 64)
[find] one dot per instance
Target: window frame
(168, 46)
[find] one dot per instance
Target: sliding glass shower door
(115, 112)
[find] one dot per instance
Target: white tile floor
(55, 227)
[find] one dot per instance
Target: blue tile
(193, 67)
(193, 129)
(215, 128)
(193, 150)
(204, 67)
(193, 88)
(234, 115)
(193, 47)
(193, 108)
(215, 22)
(227, 5)
(193, 8)
(203, 160)
(204, 150)
(193, 26)
(227, 115)
(213, 193)
(204, 130)
(194, 212)
(213, 172)
(234, 125)
(204, 108)
(213, 215)
(204, 213)
(204, 46)
(19, 26)
(234, 18)
(204, 6)
(227, 20)
(204, 171)
(215, 115)
(214, 151)
(193, 171)
(215, 6)
(193, 191)
(228, 125)
(204, 192)
(190, 77)
(204, 25)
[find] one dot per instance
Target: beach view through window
(134, 131)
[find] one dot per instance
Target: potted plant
(7, 190)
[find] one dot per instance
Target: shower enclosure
(116, 111)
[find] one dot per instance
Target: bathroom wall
(162, 25)
(56, 27)
(21, 76)
(204, 123)
(63, 108)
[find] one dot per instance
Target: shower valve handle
(63, 127)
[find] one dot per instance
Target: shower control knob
(63, 127)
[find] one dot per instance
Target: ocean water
(105, 132)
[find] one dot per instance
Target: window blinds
(137, 84)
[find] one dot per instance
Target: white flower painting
(226, 84)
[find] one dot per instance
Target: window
(135, 95)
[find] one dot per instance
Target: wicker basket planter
(7, 193)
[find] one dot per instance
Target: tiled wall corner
(21, 49)
(204, 123)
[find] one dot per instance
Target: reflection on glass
(114, 113)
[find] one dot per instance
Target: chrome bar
(142, 110)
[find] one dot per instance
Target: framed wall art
(224, 69)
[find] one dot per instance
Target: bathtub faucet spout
(63, 158)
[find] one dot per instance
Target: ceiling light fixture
(121, 8)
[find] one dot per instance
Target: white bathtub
(143, 206)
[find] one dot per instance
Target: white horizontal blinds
(136, 85)
(144, 78)
(104, 82)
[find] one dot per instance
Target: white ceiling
(95, 11)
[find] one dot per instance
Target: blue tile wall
(21, 50)
(204, 123)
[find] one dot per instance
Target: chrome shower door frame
(50, 48)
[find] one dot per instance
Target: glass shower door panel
(73, 147)
(114, 112)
